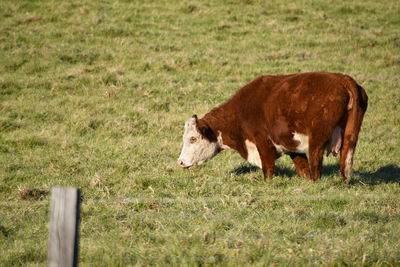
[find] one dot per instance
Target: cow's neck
(223, 121)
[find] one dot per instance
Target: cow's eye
(193, 139)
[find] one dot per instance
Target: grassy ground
(94, 94)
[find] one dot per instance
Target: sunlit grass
(94, 95)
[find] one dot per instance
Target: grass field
(94, 94)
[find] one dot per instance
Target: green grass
(94, 94)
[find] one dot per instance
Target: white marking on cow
(303, 142)
(198, 151)
(252, 154)
(348, 170)
(221, 142)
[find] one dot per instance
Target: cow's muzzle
(183, 165)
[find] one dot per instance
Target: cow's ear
(192, 122)
(207, 132)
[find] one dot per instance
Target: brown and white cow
(301, 115)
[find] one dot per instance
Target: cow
(301, 115)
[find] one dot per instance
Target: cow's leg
(346, 156)
(350, 137)
(316, 154)
(268, 156)
(301, 164)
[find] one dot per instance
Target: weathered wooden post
(64, 227)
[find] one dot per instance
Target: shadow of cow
(386, 174)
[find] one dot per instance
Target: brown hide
(269, 110)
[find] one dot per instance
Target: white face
(196, 148)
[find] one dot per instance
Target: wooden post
(64, 227)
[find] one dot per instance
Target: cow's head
(199, 143)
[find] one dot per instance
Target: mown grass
(94, 95)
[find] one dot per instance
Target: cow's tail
(357, 105)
